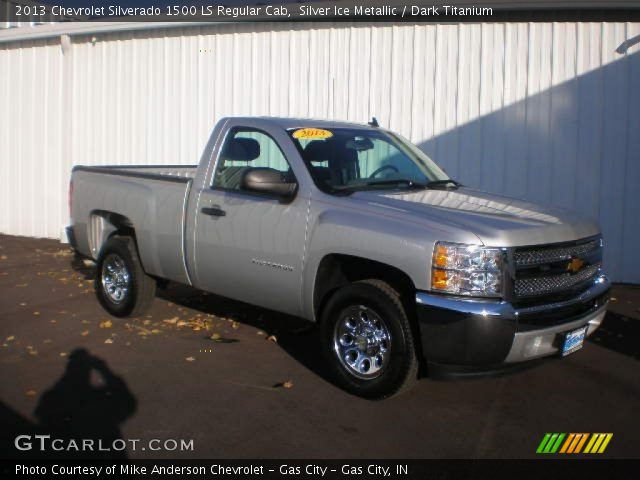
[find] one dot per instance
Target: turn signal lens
(440, 256)
(439, 279)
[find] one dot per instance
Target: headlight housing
(466, 270)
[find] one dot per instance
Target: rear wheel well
(338, 270)
(103, 225)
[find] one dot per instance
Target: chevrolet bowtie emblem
(574, 265)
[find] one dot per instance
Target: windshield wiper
(442, 183)
(397, 181)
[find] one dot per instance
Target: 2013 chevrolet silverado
(353, 227)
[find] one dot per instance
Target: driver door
(248, 245)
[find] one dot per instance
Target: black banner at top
(46, 11)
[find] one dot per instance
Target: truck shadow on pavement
(620, 334)
(296, 336)
(83, 417)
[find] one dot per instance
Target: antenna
(374, 122)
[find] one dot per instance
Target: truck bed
(145, 171)
(150, 199)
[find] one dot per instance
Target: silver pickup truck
(355, 228)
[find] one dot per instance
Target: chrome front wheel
(362, 342)
(367, 340)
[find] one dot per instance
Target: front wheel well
(338, 270)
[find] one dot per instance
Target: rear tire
(122, 287)
(367, 340)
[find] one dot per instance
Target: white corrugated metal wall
(545, 111)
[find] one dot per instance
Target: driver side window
(245, 149)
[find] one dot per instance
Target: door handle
(214, 211)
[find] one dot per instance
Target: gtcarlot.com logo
(49, 443)
(574, 443)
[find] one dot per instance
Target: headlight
(467, 270)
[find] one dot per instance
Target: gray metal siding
(545, 111)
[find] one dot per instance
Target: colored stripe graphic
(550, 443)
(567, 443)
(544, 441)
(574, 443)
(555, 447)
(598, 442)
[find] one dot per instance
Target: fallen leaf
(272, 338)
(33, 352)
(63, 354)
(30, 393)
(23, 304)
(3, 257)
(190, 359)
(36, 313)
(171, 321)
(215, 336)
(106, 324)
(61, 253)
(259, 332)
(614, 299)
(287, 384)
(22, 285)
(11, 338)
(85, 322)
(155, 331)
(108, 340)
(85, 333)
(48, 340)
(181, 323)
(235, 325)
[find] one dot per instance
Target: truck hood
(496, 220)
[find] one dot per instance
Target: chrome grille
(527, 287)
(550, 255)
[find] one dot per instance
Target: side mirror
(268, 181)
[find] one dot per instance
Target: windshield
(342, 159)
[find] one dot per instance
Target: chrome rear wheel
(115, 278)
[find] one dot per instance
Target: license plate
(574, 340)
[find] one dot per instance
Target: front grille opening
(547, 270)
(529, 321)
(543, 285)
(551, 254)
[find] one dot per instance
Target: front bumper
(481, 332)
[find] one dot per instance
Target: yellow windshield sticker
(312, 133)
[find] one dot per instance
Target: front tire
(122, 287)
(368, 341)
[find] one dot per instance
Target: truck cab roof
(288, 123)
